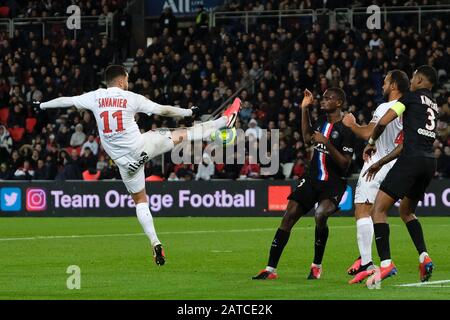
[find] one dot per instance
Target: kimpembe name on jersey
(428, 131)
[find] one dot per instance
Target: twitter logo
(11, 199)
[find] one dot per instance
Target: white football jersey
(386, 142)
(114, 111)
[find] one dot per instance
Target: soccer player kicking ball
(114, 109)
(325, 182)
(395, 85)
(411, 174)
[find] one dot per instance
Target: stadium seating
(16, 133)
(4, 114)
(30, 123)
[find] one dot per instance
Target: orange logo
(278, 197)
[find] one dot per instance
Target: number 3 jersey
(114, 111)
(419, 123)
(322, 166)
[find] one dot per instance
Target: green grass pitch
(207, 258)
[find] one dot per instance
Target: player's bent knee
(407, 214)
(321, 219)
(362, 210)
(139, 197)
(291, 216)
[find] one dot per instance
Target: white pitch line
(424, 284)
(131, 234)
(159, 233)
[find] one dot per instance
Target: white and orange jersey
(114, 110)
(390, 136)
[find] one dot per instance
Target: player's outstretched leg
(204, 130)
(363, 267)
(407, 208)
(325, 209)
(291, 216)
(383, 202)
(146, 220)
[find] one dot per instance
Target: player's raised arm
(83, 101)
(307, 130)
(61, 102)
(149, 107)
(363, 132)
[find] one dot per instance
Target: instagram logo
(36, 199)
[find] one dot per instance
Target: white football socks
(364, 235)
(385, 263)
(146, 220)
(271, 269)
(204, 130)
(422, 256)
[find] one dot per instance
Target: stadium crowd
(271, 65)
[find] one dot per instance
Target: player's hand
(318, 137)
(369, 151)
(349, 120)
(36, 106)
(372, 171)
(195, 111)
(307, 99)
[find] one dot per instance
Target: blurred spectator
(168, 20)
(5, 173)
(205, 169)
(201, 22)
(250, 168)
(253, 129)
(25, 172)
(91, 144)
(63, 137)
(88, 160)
(41, 172)
(78, 137)
(5, 143)
(101, 163)
(72, 168)
(17, 117)
(156, 176)
(173, 177)
(184, 172)
(443, 162)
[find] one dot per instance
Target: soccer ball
(224, 136)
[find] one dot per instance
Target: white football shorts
(131, 166)
(366, 191)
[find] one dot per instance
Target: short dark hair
(400, 78)
(340, 94)
(113, 71)
(429, 72)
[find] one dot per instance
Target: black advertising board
(196, 198)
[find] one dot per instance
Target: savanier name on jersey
(112, 102)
